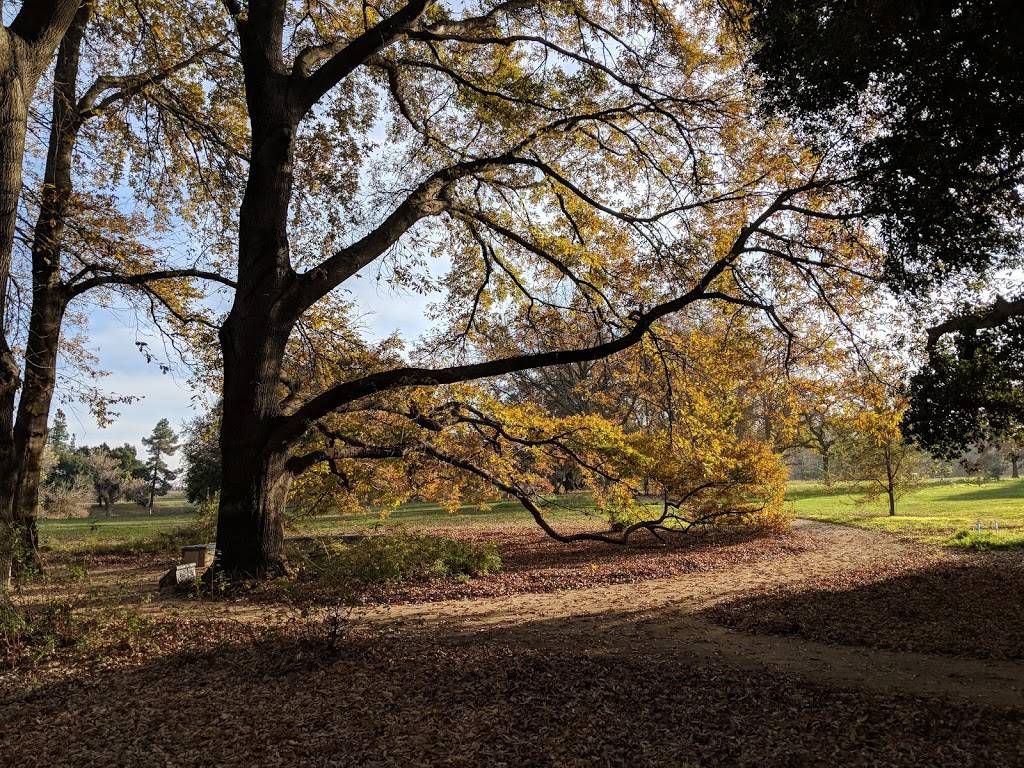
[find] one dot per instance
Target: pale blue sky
(113, 332)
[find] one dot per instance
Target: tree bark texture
(254, 488)
(26, 47)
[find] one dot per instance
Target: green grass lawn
(936, 512)
(943, 511)
(133, 527)
(130, 524)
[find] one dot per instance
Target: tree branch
(996, 314)
(43, 21)
(354, 53)
(299, 464)
(143, 278)
(291, 427)
(129, 85)
(425, 200)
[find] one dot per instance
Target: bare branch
(355, 53)
(144, 278)
(126, 86)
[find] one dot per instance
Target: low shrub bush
(39, 630)
(401, 556)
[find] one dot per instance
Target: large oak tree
(595, 157)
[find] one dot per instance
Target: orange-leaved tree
(593, 157)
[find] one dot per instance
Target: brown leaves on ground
(285, 697)
(966, 605)
(533, 563)
(279, 685)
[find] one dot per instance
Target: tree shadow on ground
(993, 490)
(302, 696)
(970, 608)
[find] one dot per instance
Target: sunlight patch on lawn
(934, 513)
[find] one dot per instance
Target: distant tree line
(76, 478)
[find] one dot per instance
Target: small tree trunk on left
(22, 62)
(49, 298)
(15, 94)
(31, 426)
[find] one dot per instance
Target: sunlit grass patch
(982, 541)
(934, 513)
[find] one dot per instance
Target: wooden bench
(201, 555)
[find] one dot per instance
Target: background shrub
(66, 499)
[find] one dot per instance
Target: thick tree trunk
(250, 523)
(1014, 470)
(826, 474)
(254, 487)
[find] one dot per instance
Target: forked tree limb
(291, 427)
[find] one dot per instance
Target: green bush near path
(399, 556)
(983, 541)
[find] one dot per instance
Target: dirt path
(661, 616)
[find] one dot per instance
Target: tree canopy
(578, 166)
(926, 102)
(635, 269)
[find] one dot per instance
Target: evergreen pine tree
(162, 442)
(60, 438)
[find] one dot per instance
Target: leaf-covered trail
(659, 616)
(624, 673)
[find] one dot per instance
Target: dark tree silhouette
(927, 101)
